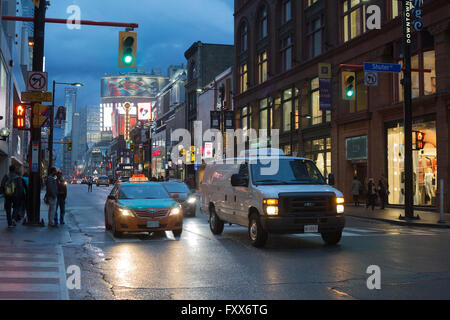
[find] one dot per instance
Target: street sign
(36, 96)
(370, 78)
(37, 81)
(382, 67)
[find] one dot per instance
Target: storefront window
(319, 150)
(424, 166)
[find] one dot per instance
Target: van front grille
(307, 204)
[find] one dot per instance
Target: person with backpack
(12, 188)
(51, 196)
(61, 200)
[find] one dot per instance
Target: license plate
(152, 224)
(311, 228)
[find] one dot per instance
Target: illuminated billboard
(131, 86)
(144, 111)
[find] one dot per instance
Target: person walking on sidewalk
(356, 190)
(371, 194)
(12, 188)
(51, 196)
(61, 200)
(382, 194)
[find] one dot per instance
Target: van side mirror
(238, 180)
(331, 179)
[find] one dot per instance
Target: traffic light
(19, 116)
(38, 117)
(132, 147)
(348, 85)
(69, 145)
(127, 49)
(420, 136)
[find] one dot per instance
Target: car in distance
(180, 192)
(268, 192)
(102, 180)
(142, 207)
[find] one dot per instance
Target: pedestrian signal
(19, 116)
(420, 136)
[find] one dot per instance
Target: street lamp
(52, 116)
(4, 134)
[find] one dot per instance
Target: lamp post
(52, 116)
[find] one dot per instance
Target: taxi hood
(147, 203)
(272, 191)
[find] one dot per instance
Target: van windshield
(287, 171)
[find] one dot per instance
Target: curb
(404, 223)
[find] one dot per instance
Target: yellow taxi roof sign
(138, 178)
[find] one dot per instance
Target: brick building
(278, 47)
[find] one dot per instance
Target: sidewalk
(32, 261)
(391, 215)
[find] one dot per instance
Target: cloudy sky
(166, 29)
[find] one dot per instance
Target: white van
(293, 199)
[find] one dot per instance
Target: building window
(424, 165)
(243, 79)
(319, 150)
(315, 38)
(395, 4)
(244, 37)
(309, 3)
(264, 114)
(286, 11)
(422, 83)
(286, 53)
(262, 21)
(354, 15)
(244, 119)
(286, 105)
(262, 67)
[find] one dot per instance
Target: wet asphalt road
(414, 262)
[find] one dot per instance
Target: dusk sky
(167, 28)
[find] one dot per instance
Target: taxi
(142, 206)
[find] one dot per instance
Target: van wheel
(332, 238)
(177, 233)
(215, 224)
(256, 233)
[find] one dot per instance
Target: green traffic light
(350, 93)
(127, 59)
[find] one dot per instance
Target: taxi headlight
(175, 211)
(191, 200)
(340, 208)
(125, 212)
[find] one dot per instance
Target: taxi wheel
(215, 224)
(107, 225)
(115, 233)
(177, 233)
(256, 233)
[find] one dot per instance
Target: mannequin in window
(428, 182)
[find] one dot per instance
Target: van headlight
(340, 208)
(175, 211)
(340, 200)
(270, 207)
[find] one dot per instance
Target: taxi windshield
(176, 187)
(143, 191)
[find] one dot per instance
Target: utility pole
(407, 109)
(38, 65)
(50, 136)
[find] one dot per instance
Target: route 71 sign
(37, 81)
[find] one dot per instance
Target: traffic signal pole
(50, 136)
(38, 65)
(407, 109)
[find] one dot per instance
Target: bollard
(441, 198)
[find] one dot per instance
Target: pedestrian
(90, 182)
(382, 194)
(356, 190)
(51, 196)
(22, 198)
(371, 194)
(11, 188)
(61, 199)
(26, 179)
